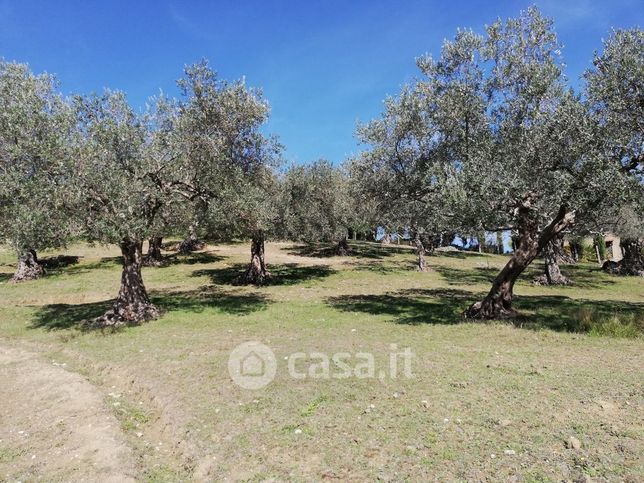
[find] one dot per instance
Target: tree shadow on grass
(380, 267)
(358, 249)
(69, 316)
(209, 298)
(102, 264)
(58, 262)
(582, 276)
(285, 274)
(413, 306)
(564, 314)
(458, 276)
(446, 306)
(5, 276)
(460, 254)
(192, 258)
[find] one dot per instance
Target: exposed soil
(54, 425)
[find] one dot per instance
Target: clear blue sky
(323, 65)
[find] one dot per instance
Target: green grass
(570, 364)
(7, 455)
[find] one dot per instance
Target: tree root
(28, 268)
(123, 314)
(253, 277)
(190, 245)
(542, 280)
(484, 310)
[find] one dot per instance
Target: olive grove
(490, 138)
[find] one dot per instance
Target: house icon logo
(252, 365)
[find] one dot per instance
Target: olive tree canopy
(35, 129)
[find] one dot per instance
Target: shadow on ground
(58, 262)
(460, 254)
(565, 314)
(286, 274)
(209, 298)
(67, 316)
(582, 276)
(459, 276)
(102, 264)
(380, 266)
(192, 258)
(446, 306)
(114, 262)
(413, 306)
(52, 265)
(358, 249)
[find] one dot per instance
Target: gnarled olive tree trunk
(191, 243)
(421, 264)
(552, 274)
(28, 267)
(498, 302)
(633, 261)
(154, 257)
(132, 306)
(343, 249)
(256, 273)
(561, 256)
(422, 247)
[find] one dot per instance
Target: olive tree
(537, 165)
(405, 171)
(315, 204)
(519, 137)
(226, 161)
(118, 178)
(35, 127)
(615, 91)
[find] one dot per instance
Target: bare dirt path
(54, 425)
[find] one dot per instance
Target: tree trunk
(28, 267)
(499, 242)
(575, 250)
(633, 261)
(132, 306)
(256, 273)
(552, 275)
(421, 264)
(560, 253)
(191, 243)
(154, 257)
(343, 249)
(498, 302)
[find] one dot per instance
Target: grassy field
(486, 401)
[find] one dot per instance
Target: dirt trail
(54, 425)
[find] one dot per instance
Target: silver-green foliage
(35, 132)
